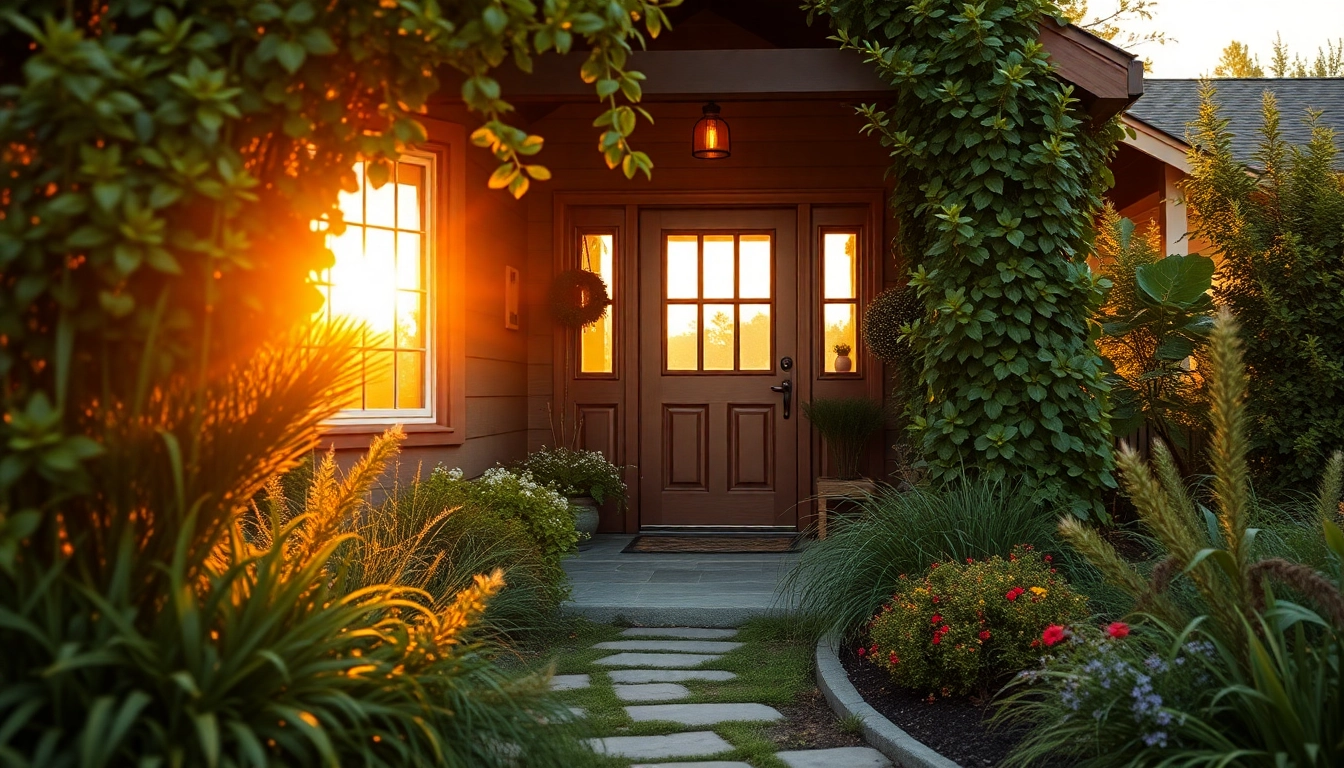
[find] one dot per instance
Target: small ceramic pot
(585, 518)
(843, 364)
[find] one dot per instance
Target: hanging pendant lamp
(710, 140)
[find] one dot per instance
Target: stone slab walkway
(665, 666)
(652, 590)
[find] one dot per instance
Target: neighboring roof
(1171, 105)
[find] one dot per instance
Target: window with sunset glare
(597, 341)
(839, 295)
(382, 279)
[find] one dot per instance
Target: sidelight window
(839, 296)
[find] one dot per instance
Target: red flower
(937, 637)
(970, 560)
(935, 598)
(935, 618)
(1117, 629)
(862, 651)
(1014, 593)
(943, 630)
(984, 634)
(893, 659)
(1049, 559)
(931, 567)
(1052, 634)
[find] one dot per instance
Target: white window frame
(430, 244)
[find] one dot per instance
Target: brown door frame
(626, 381)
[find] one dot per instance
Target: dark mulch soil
(809, 723)
(956, 728)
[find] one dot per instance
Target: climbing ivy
(999, 179)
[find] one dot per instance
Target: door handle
(786, 388)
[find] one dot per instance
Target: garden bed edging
(877, 730)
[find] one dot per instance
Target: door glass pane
(755, 337)
(719, 267)
(720, 332)
(839, 319)
(596, 341)
(838, 250)
(754, 267)
(683, 267)
(682, 332)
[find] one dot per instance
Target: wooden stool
(830, 488)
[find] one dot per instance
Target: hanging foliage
(1000, 180)
(579, 298)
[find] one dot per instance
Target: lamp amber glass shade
(710, 140)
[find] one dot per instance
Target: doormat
(721, 544)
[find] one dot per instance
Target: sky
(1202, 28)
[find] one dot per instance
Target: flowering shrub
(1120, 693)
(964, 624)
(543, 511)
(577, 473)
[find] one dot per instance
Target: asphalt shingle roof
(1170, 105)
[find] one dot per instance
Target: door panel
(717, 313)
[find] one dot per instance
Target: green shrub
(1271, 685)
(422, 536)
(1280, 231)
(885, 319)
(845, 578)
(1157, 314)
(1002, 173)
(543, 512)
(576, 473)
(846, 424)
(964, 626)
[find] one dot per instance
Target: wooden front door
(717, 314)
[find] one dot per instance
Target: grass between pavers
(773, 667)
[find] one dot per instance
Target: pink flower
(1052, 634)
(1118, 630)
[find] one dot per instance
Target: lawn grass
(774, 667)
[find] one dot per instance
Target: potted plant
(842, 362)
(586, 478)
(846, 424)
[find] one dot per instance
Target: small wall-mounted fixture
(511, 298)
(710, 140)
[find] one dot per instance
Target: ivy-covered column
(998, 181)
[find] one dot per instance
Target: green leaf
(503, 176)
(1176, 280)
(290, 54)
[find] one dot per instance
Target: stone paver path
(668, 675)
(651, 692)
(660, 660)
(668, 657)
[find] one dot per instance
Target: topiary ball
(579, 298)
(883, 318)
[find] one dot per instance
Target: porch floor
(674, 590)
